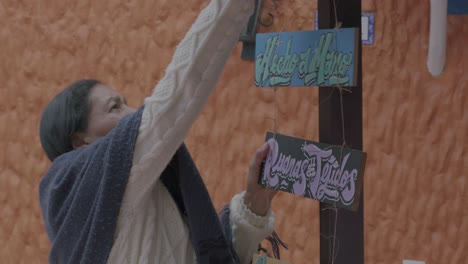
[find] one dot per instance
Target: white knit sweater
(150, 228)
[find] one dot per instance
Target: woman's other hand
(258, 198)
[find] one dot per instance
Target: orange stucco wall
(415, 125)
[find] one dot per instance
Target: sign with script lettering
(329, 174)
(307, 58)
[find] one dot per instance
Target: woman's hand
(257, 198)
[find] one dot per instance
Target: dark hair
(65, 115)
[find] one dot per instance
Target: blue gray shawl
(82, 192)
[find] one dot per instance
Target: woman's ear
(78, 140)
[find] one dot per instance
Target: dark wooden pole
(348, 247)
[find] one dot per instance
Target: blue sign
(307, 58)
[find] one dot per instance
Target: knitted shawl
(81, 195)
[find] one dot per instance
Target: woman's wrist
(256, 203)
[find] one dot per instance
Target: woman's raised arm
(181, 95)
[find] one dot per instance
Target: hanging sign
(307, 58)
(329, 174)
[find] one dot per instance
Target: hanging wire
(335, 241)
(333, 250)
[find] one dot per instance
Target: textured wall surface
(415, 125)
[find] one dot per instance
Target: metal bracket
(248, 36)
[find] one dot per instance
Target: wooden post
(348, 246)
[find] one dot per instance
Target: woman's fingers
(257, 198)
(260, 155)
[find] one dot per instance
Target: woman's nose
(129, 110)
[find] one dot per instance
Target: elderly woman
(123, 188)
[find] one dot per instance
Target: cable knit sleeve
(248, 229)
(180, 96)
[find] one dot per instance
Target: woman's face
(107, 108)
